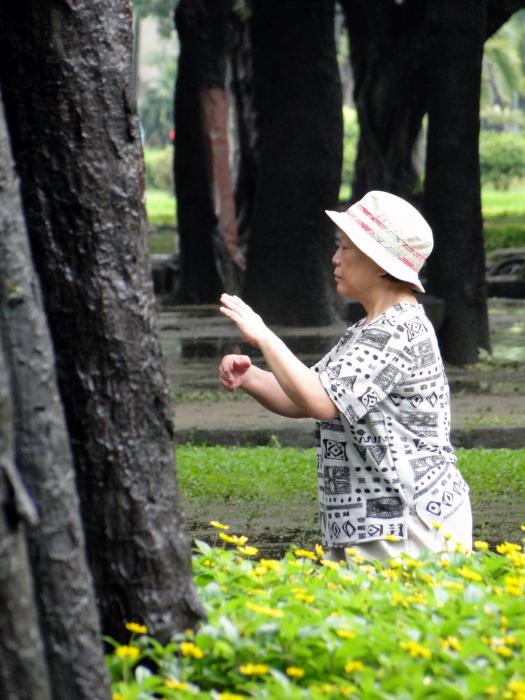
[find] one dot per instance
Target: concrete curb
(511, 437)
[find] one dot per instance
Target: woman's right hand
(233, 370)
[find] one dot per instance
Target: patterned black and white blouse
(388, 451)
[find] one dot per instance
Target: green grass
(161, 208)
(497, 202)
(276, 474)
(503, 212)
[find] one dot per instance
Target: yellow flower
(436, 525)
(522, 527)
(450, 643)
(305, 553)
(453, 585)
(508, 548)
(117, 696)
(319, 551)
(262, 610)
(330, 564)
(294, 672)
(353, 666)
(230, 696)
(304, 597)
(390, 574)
(412, 563)
(208, 563)
(469, 574)
(127, 652)
(239, 540)
(512, 589)
(135, 627)
(345, 634)
(503, 650)
(191, 649)
(515, 689)
(271, 564)
(248, 551)
(254, 669)
(481, 545)
(226, 538)
(416, 650)
(326, 688)
(175, 685)
(392, 538)
(219, 526)
(347, 690)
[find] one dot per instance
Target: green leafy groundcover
(442, 626)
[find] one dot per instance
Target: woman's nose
(336, 258)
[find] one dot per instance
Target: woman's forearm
(266, 390)
(298, 382)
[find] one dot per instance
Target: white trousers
(420, 538)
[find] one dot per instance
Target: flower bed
(442, 626)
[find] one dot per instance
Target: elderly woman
(388, 481)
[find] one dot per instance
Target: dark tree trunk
(452, 184)
(56, 546)
(208, 240)
(386, 53)
(23, 670)
(66, 70)
(246, 126)
(498, 12)
(298, 102)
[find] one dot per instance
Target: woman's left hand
(251, 326)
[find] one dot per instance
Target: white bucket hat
(390, 231)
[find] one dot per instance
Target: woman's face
(354, 272)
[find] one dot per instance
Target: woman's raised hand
(251, 326)
(233, 370)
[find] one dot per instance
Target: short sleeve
(365, 372)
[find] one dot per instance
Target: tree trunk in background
(386, 54)
(56, 546)
(452, 183)
(66, 72)
(246, 153)
(23, 671)
(209, 251)
(298, 102)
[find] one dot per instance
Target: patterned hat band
(386, 237)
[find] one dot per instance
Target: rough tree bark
(66, 72)
(386, 55)
(452, 199)
(56, 546)
(209, 246)
(23, 670)
(298, 101)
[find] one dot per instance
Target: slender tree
(456, 33)
(246, 142)
(23, 670)
(66, 72)
(210, 257)
(298, 104)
